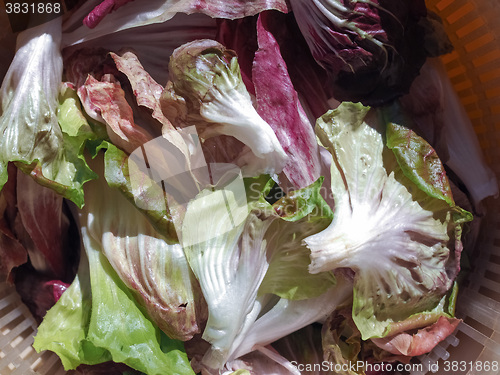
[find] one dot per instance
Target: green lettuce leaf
(419, 162)
(341, 342)
(222, 238)
(98, 319)
(305, 213)
(206, 89)
(400, 241)
(37, 118)
(253, 267)
(421, 165)
(4, 176)
(64, 328)
(119, 325)
(151, 201)
(156, 271)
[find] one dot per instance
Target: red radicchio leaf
(78, 64)
(240, 36)
(146, 90)
(58, 288)
(372, 49)
(229, 9)
(38, 292)
(233, 9)
(107, 98)
(421, 342)
(12, 253)
(309, 79)
(279, 105)
(41, 213)
(101, 11)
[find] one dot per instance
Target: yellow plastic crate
(474, 69)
